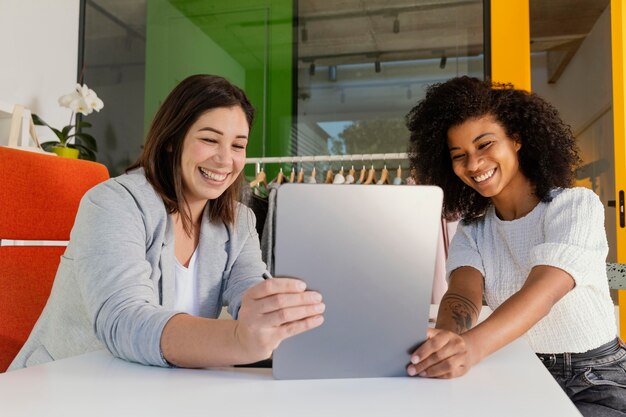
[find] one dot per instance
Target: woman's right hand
(444, 354)
(274, 310)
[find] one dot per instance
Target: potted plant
(73, 142)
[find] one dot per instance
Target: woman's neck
(185, 243)
(516, 201)
(196, 208)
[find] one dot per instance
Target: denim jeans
(595, 381)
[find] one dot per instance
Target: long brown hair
(161, 156)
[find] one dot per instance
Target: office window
(114, 66)
(362, 65)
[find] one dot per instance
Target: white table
(511, 382)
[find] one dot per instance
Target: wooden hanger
(371, 176)
(329, 175)
(301, 175)
(259, 179)
(292, 176)
(384, 176)
(350, 178)
(352, 172)
(398, 179)
(280, 178)
(362, 175)
(312, 178)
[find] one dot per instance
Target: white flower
(93, 101)
(78, 105)
(67, 99)
(82, 100)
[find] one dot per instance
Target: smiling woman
(213, 155)
(487, 160)
(154, 254)
(529, 243)
(191, 115)
(465, 105)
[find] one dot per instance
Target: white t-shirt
(186, 288)
(566, 233)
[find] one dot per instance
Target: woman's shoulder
(132, 187)
(575, 196)
(576, 205)
(245, 220)
(478, 222)
(237, 232)
(134, 181)
(472, 228)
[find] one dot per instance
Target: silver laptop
(370, 250)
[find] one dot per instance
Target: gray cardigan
(114, 288)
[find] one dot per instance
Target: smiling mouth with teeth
(484, 176)
(212, 175)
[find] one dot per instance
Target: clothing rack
(326, 158)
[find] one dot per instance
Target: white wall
(585, 85)
(583, 96)
(39, 57)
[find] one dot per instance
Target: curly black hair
(548, 155)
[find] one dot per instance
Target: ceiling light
(396, 25)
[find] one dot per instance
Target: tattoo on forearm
(463, 310)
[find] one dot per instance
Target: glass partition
(114, 66)
(326, 77)
(362, 65)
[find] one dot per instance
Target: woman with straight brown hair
(155, 253)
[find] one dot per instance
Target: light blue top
(114, 288)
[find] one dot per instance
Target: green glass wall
(249, 42)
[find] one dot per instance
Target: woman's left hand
(444, 354)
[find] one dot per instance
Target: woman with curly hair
(529, 242)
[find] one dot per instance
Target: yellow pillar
(618, 43)
(510, 42)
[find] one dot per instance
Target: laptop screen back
(370, 251)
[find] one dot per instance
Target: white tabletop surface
(511, 382)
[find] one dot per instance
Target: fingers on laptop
(278, 302)
(289, 315)
(301, 326)
(293, 313)
(285, 305)
(443, 355)
(276, 286)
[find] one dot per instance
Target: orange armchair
(39, 197)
